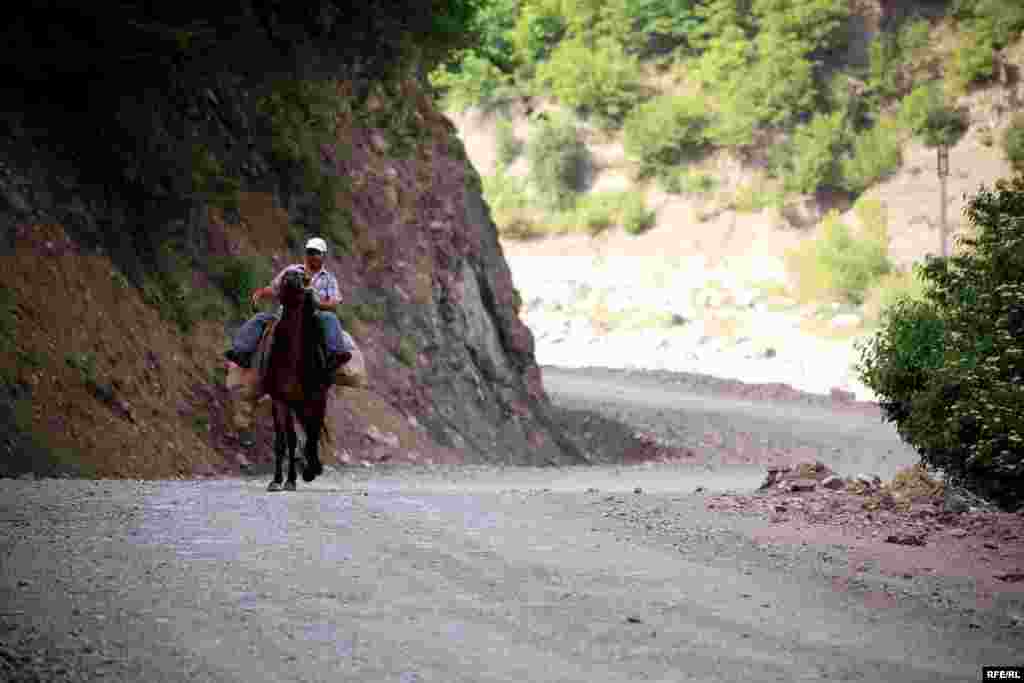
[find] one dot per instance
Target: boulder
(833, 482)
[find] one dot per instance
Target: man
(328, 296)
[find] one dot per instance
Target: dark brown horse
(294, 382)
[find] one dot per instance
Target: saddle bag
(353, 373)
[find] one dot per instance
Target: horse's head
(293, 288)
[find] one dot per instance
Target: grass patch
(406, 351)
(636, 217)
(755, 197)
(85, 363)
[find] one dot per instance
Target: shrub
(598, 211)
(837, 264)
(918, 105)
(239, 276)
(406, 351)
(815, 146)
(595, 79)
(697, 183)
(474, 81)
(504, 192)
(949, 370)
(537, 30)
(883, 63)
(508, 146)
(973, 61)
(1013, 142)
(636, 217)
(876, 154)
(754, 197)
(557, 158)
(664, 131)
(924, 113)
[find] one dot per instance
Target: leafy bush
(557, 157)
(658, 24)
(538, 29)
(998, 21)
(1013, 142)
(664, 131)
(597, 79)
(949, 370)
(814, 148)
(754, 197)
(505, 192)
(474, 81)
(598, 211)
(876, 153)
(973, 61)
(406, 351)
(925, 113)
(508, 146)
(837, 264)
(917, 106)
(883, 66)
(636, 217)
(696, 183)
(239, 276)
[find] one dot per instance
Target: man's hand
(328, 304)
(257, 295)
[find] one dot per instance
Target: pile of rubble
(905, 511)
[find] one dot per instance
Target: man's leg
(339, 349)
(247, 338)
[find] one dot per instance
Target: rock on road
(478, 574)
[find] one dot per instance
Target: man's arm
(333, 298)
(269, 291)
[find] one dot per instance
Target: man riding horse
(328, 296)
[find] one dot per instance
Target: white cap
(318, 244)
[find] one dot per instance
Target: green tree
(875, 154)
(557, 158)
(814, 152)
(595, 79)
(949, 370)
(665, 130)
(538, 29)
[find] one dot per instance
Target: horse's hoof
(274, 486)
(289, 486)
(311, 472)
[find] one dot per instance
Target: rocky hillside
(137, 215)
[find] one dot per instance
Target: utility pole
(943, 170)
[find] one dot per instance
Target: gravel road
(474, 574)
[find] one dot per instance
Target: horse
(294, 381)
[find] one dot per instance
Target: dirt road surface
(479, 574)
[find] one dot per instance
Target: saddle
(261, 358)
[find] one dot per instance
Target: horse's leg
(313, 423)
(278, 447)
(289, 485)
